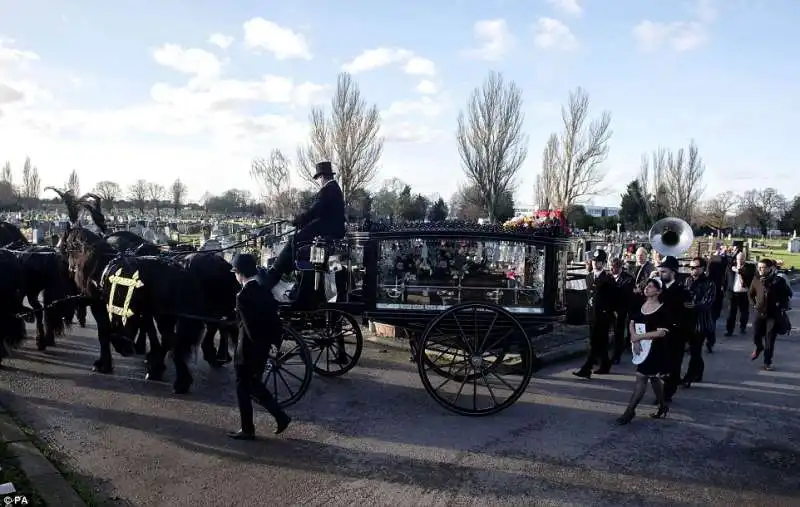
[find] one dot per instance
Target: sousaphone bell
(671, 236)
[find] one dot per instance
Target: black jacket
(748, 273)
(601, 292)
(703, 294)
(641, 274)
(325, 216)
(770, 296)
(259, 323)
(623, 292)
(674, 297)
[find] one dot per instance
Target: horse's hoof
(101, 367)
(41, 346)
(180, 389)
(154, 377)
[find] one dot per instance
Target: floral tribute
(542, 219)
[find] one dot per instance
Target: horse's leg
(223, 350)
(187, 335)
(33, 300)
(81, 312)
(100, 314)
(207, 345)
(158, 350)
(141, 340)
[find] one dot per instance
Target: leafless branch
(577, 155)
(73, 183)
(274, 178)
(349, 138)
(490, 140)
(108, 191)
(673, 181)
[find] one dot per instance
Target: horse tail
(58, 308)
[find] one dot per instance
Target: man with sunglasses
(699, 318)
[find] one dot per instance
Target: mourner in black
(717, 267)
(623, 303)
(676, 298)
(600, 314)
(737, 283)
(259, 330)
(770, 296)
(653, 320)
(641, 271)
(699, 310)
(325, 218)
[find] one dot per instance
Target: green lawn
(776, 250)
(11, 473)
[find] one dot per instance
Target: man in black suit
(737, 282)
(623, 303)
(260, 329)
(677, 300)
(325, 217)
(717, 267)
(600, 314)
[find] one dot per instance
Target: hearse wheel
(460, 357)
(335, 340)
(288, 374)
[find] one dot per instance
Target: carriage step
(282, 292)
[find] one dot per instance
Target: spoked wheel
(288, 374)
(475, 359)
(335, 340)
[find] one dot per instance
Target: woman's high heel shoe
(663, 410)
(626, 417)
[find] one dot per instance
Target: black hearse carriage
(473, 297)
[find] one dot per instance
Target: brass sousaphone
(669, 236)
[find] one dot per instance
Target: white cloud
(9, 95)
(678, 35)
(9, 54)
(283, 43)
(188, 61)
(571, 7)
(220, 40)
(413, 120)
(551, 33)
(372, 59)
(494, 38)
(417, 66)
(427, 87)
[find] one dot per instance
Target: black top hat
(245, 264)
(600, 255)
(324, 169)
(669, 262)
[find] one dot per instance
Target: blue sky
(96, 99)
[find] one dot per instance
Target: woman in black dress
(656, 320)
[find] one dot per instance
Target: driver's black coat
(325, 217)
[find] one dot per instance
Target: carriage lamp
(317, 259)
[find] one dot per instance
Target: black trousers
(740, 305)
(621, 338)
(598, 342)
(676, 351)
(696, 364)
(249, 387)
(764, 337)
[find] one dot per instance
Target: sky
(194, 89)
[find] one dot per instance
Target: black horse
(45, 272)
(12, 328)
(137, 289)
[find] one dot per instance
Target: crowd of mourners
(658, 313)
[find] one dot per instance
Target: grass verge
(60, 461)
(11, 472)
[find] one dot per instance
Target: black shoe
(626, 417)
(662, 412)
(242, 435)
(282, 424)
(587, 374)
(709, 349)
(755, 354)
(603, 370)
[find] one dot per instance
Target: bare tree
(6, 175)
(108, 191)
(764, 207)
(155, 193)
(73, 183)
(274, 178)
(34, 185)
(673, 180)
(575, 157)
(349, 138)
(490, 140)
(178, 195)
(138, 193)
(546, 185)
(716, 212)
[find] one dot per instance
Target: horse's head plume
(72, 203)
(94, 210)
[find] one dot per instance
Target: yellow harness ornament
(132, 284)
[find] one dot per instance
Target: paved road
(376, 438)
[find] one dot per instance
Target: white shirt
(738, 283)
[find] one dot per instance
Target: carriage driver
(260, 328)
(324, 218)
